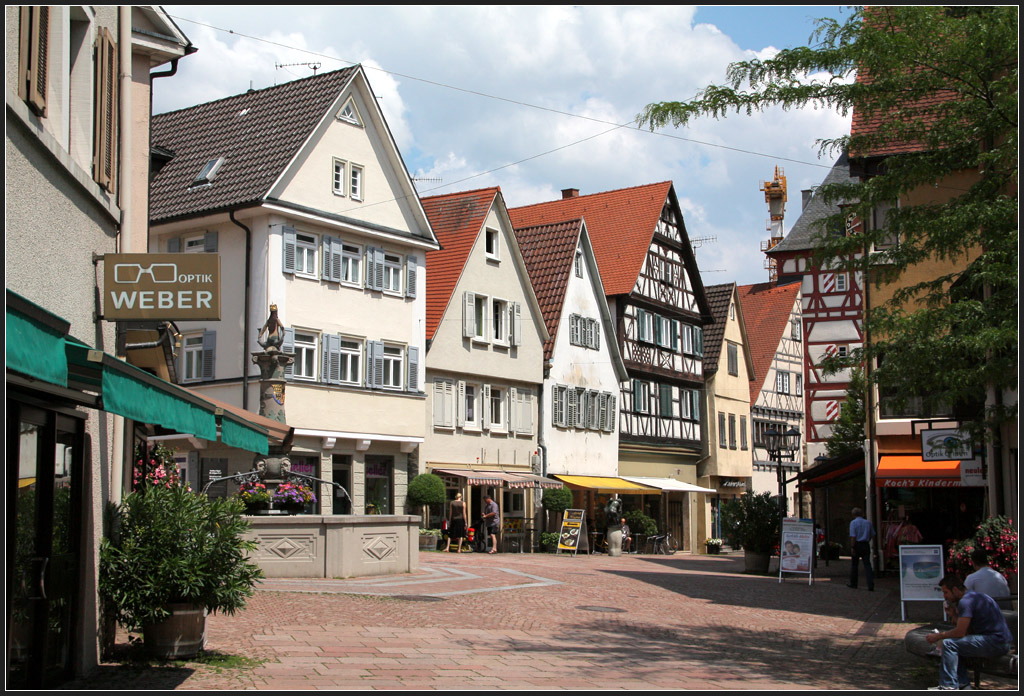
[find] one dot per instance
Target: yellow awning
(607, 484)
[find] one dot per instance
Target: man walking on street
(492, 520)
(980, 631)
(861, 533)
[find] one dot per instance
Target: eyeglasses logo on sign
(161, 286)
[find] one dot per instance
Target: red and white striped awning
(499, 479)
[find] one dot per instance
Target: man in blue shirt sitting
(980, 631)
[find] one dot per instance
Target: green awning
(35, 341)
(242, 435)
(133, 393)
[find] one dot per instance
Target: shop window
(341, 465)
(379, 484)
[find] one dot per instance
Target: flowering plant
(998, 538)
(713, 542)
(253, 493)
(156, 469)
(293, 494)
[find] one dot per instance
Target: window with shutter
(288, 347)
(411, 264)
(611, 413)
(732, 431)
(571, 407)
(524, 421)
(330, 357)
(517, 324)
(559, 405)
(288, 250)
(721, 430)
(413, 379)
(460, 404)
(33, 57)
(665, 400)
(513, 411)
(209, 354)
(105, 104)
(743, 433)
(442, 415)
(468, 315)
(734, 361)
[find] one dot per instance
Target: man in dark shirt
(980, 631)
(492, 518)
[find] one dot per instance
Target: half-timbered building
(657, 302)
(772, 316)
(832, 308)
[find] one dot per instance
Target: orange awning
(911, 471)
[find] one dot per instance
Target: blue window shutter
(410, 276)
(288, 250)
(378, 276)
(174, 245)
(209, 354)
(378, 364)
(330, 347)
(288, 346)
(210, 242)
(371, 269)
(412, 383)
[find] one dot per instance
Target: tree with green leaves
(938, 88)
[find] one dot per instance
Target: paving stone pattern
(540, 621)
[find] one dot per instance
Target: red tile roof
(548, 251)
(766, 308)
(457, 219)
(620, 224)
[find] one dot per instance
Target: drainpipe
(245, 311)
(870, 451)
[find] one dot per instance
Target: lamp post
(781, 446)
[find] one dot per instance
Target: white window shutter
(438, 415)
(485, 407)
(517, 324)
(468, 315)
(611, 413)
(526, 418)
(288, 346)
(460, 405)
(513, 420)
(289, 249)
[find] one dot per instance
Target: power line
(511, 101)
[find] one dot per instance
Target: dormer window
(491, 245)
(349, 114)
(208, 173)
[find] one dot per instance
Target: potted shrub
(556, 501)
(548, 541)
(293, 497)
(998, 538)
(429, 539)
(752, 522)
(640, 527)
(425, 490)
(714, 546)
(255, 496)
(174, 556)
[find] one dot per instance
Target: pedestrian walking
(456, 522)
(861, 534)
(492, 521)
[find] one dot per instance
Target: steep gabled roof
(766, 309)
(805, 231)
(621, 225)
(257, 133)
(457, 219)
(549, 251)
(720, 297)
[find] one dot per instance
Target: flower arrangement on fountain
(293, 495)
(254, 494)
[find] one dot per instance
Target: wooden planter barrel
(756, 562)
(180, 635)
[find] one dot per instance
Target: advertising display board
(796, 552)
(921, 570)
(161, 286)
(574, 528)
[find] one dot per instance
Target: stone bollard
(614, 539)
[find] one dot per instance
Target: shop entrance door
(44, 468)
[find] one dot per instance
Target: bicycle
(665, 544)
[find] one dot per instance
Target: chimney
(570, 193)
(806, 193)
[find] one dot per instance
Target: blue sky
(537, 99)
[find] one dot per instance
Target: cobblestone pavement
(539, 621)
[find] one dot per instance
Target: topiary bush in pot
(425, 490)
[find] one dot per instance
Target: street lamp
(781, 446)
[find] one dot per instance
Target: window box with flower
(255, 496)
(293, 497)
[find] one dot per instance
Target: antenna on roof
(312, 66)
(698, 242)
(427, 180)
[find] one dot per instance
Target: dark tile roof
(457, 219)
(766, 310)
(257, 133)
(719, 297)
(804, 232)
(548, 251)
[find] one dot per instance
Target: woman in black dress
(456, 522)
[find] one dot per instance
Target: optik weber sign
(161, 286)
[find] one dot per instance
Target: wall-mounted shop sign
(161, 286)
(945, 445)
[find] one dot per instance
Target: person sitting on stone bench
(980, 631)
(985, 579)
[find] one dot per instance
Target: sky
(538, 99)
